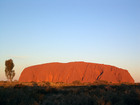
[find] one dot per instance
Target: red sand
(69, 72)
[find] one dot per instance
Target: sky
(41, 31)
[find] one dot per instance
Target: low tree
(9, 72)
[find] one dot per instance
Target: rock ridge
(72, 71)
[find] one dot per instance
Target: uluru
(72, 71)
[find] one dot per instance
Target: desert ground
(75, 93)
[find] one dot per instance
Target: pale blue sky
(99, 31)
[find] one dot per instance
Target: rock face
(69, 72)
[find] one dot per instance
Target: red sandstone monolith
(69, 72)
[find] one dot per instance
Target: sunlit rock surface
(69, 72)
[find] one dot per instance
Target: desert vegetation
(76, 93)
(9, 72)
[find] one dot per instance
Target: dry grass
(76, 93)
(60, 84)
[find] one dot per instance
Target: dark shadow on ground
(20, 94)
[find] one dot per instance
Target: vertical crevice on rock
(98, 78)
(85, 72)
(58, 78)
(119, 78)
(111, 68)
(67, 78)
(52, 78)
(34, 77)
